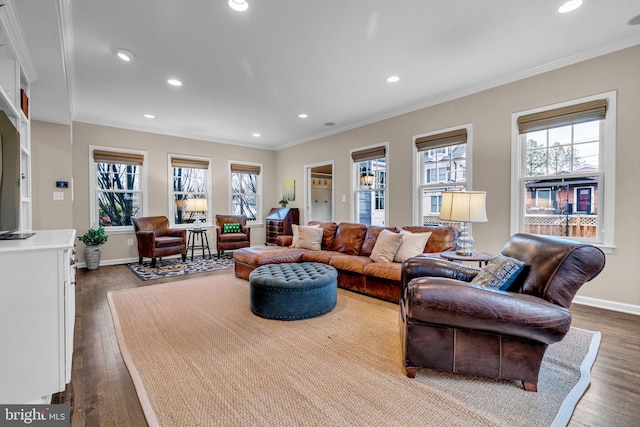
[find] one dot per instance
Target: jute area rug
(199, 357)
(174, 267)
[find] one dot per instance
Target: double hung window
(561, 155)
(117, 186)
(370, 171)
(246, 190)
(189, 189)
(442, 166)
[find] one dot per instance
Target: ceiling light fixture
(393, 79)
(303, 115)
(238, 5)
(124, 54)
(174, 82)
(570, 5)
(149, 116)
(257, 135)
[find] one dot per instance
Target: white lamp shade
(464, 206)
(197, 205)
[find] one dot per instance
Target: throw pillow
(412, 245)
(296, 233)
(231, 228)
(499, 273)
(309, 238)
(386, 246)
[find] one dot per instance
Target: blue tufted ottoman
(293, 291)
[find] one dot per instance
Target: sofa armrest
(454, 303)
(146, 241)
(432, 266)
(284, 240)
(174, 232)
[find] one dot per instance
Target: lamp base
(465, 241)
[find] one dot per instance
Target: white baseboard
(608, 305)
(120, 261)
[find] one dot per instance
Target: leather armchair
(156, 239)
(449, 324)
(231, 241)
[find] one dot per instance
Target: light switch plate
(58, 195)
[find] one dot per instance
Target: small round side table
(201, 234)
(480, 257)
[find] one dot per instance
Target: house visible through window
(245, 190)
(190, 189)
(370, 169)
(442, 165)
(562, 171)
(117, 187)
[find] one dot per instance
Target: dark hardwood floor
(101, 392)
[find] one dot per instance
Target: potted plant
(283, 203)
(93, 238)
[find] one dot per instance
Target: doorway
(319, 203)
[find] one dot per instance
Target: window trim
(355, 178)
(208, 183)
(606, 204)
(260, 214)
(93, 183)
(417, 166)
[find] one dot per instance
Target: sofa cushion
(352, 263)
(349, 238)
(387, 244)
(328, 232)
(370, 239)
(384, 270)
(443, 237)
(319, 256)
(295, 228)
(413, 244)
(309, 238)
(499, 273)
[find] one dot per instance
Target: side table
(201, 235)
(480, 257)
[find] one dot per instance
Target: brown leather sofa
(347, 247)
(156, 239)
(449, 324)
(231, 241)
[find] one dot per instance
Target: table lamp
(197, 206)
(464, 207)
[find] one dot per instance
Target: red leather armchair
(235, 240)
(156, 239)
(451, 325)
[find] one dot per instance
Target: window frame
(259, 195)
(93, 188)
(374, 190)
(606, 169)
(418, 187)
(208, 223)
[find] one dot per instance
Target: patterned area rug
(175, 267)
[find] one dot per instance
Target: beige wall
(51, 162)
(490, 112)
(158, 148)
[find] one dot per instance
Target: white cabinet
(37, 311)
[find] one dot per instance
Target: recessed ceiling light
(238, 5)
(393, 79)
(329, 124)
(124, 54)
(257, 135)
(570, 5)
(174, 82)
(149, 116)
(303, 115)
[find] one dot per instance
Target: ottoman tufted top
(294, 276)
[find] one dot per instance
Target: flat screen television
(9, 177)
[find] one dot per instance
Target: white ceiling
(256, 71)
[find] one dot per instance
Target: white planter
(92, 256)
